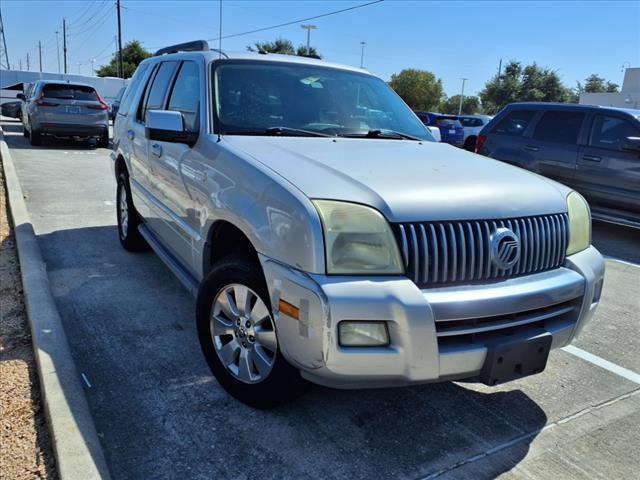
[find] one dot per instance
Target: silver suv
(328, 239)
(63, 109)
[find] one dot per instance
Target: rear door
(505, 139)
(606, 174)
(554, 144)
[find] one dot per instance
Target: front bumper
(436, 334)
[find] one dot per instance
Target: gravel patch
(25, 446)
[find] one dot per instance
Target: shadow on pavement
(12, 129)
(617, 241)
(161, 414)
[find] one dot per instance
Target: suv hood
(406, 180)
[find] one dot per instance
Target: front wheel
(128, 219)
(238, 336)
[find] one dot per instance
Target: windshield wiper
(380, 134)
(274, 131)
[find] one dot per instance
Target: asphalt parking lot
(160, 413)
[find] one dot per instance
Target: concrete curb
(76, 446)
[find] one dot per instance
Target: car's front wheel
(238, 336)
(128, 219)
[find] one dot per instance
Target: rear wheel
(25, 132)
(128, 218)
(238, 336)
(103, 142)
(35, 138)
(470, 144)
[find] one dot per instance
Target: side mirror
(21, 96)
(168, 126)
(631, 144)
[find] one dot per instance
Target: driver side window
(610, 132)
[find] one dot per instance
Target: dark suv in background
(595, 150)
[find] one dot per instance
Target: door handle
(531, 148)
(592, 158)
(156, 150)
(130, 134)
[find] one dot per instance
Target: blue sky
(453, 39)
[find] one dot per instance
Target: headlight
(579, 223)
(357, 240)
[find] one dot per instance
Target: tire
(25, 132)
(103, 142)
(128, 218)
(267, 379)
(470, 144)
(35, 138)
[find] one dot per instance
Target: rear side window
(132, 88)
(610, 132)
(515, 123)
(559, 127)
(69, 92)
(185, 96)
(471, 122)
(159, 87)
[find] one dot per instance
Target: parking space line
(624, 262)
(602, 363)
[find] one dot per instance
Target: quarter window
(185, 96)
(610, 132)
(515, 123)
(559, 127)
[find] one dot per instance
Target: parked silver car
(472, 125)
(64, 110)
(327, 237)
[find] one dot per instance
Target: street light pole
(58, 50)
(362, 54)
(308, 28)
(461, 96)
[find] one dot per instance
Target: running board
(605, 217)
(185, 277)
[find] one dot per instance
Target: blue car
(451, 130)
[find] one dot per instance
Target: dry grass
(25, 446)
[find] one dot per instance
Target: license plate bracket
(515, 359)
(72, 109)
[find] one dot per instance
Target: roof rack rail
(195, 46)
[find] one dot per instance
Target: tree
(284, 47)
(518, 84)
(594, 83)
(470, 105)
(132, 54)
(421, 90)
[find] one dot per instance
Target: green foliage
(594, 83)
(421, 90)
(470, 105)
(284, 47)
(529, 84)
(132, 54)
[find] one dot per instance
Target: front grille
(442, 253)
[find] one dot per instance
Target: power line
(84, 12)
(293, 22)
(94, 25)
(99, 11)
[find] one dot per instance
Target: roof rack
(195, 46)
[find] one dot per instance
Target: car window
(69, 92)
(515, 123)
(610, 132)
(185, 96)
(448, 122)
(159, 87)
(132, 88)
(559, 127)
(470, 122)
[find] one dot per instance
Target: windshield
(71, 92)
(254, 98)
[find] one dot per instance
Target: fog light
(363, 334)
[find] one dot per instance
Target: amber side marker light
(288, 309)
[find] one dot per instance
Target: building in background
(627, 97)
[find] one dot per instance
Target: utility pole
(40, 53)
(362, 54)
(79, 68)
(28, 67)
(462, 95)
(308, 28)
(58, 50)
(4, 45)
(93, 70)
(499, 69)
(20, 64)
(120, 68)
(64, 43)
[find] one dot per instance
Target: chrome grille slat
(437, 253)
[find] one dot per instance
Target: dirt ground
(25, 446)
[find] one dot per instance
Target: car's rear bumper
(436, 334)
(72, 130)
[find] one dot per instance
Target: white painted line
(86, 380)
(613, 259)
(602, 363)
